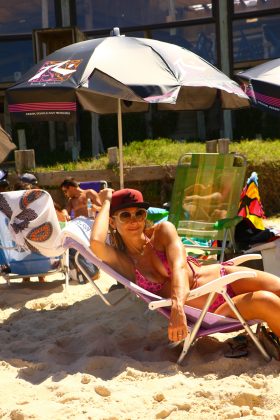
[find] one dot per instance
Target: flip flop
(270, 342)
(238, 347)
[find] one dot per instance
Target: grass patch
(165, 152)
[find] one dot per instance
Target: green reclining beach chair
(205, 200)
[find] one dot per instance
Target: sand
(66, 355)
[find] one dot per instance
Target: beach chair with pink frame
(200, 322)
(33, 223)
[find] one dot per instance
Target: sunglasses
(127, 216)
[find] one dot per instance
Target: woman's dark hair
(116, 239)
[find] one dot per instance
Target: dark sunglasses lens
(140, 214)
(124, 216)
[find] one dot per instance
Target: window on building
(247, 6)
(201, 39)
(16, 59)
(256, 39)
(137, 34)
(99, 14)
(25, 15)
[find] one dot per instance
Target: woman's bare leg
(263, 305)
(263, 281)
(256, 298)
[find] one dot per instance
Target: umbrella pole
(120, 139)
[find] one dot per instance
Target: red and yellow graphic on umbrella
(55, 71)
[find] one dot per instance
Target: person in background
(62, 214)
(78, 206)
(28, 178)
(20, 185)
(4, 183)
(78, 198)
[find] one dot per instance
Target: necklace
(138, 252)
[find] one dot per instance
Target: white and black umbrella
(262, 85)
(120, 74)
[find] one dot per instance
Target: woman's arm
(98, 239)
(101, 225)
(176, 256)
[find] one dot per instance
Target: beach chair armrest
(163, 303)
(246, 257)
(213, 286)
(227, 223)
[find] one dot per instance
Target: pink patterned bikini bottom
(220, 299)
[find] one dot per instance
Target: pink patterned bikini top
(155, 287)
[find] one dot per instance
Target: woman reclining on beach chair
(154, 258)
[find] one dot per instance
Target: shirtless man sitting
(78, 198)
(77, 206)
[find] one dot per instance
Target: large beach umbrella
(262, 85)
(120, 74)
(6, 144)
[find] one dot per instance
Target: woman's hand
(105, 194)
(177, 328)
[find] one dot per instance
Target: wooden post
(223, 146)
(21, 139)
(24, 160)
(112, 155)
(211, 146)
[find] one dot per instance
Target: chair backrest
(21, 260)
(207, 188)
(20, 214)
(29, 221)
(93, 185)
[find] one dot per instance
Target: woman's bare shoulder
(162, 232)
(164, 227)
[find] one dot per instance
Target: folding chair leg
(96, 288)
(65, 264)
(191, 337)
(247, 328)
(222, 255)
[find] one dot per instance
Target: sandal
(270, 341)
(238, 347)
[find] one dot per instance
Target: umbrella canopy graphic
(6, 144)
(262, 85)
(120, 74)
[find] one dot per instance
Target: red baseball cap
(127, 197)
